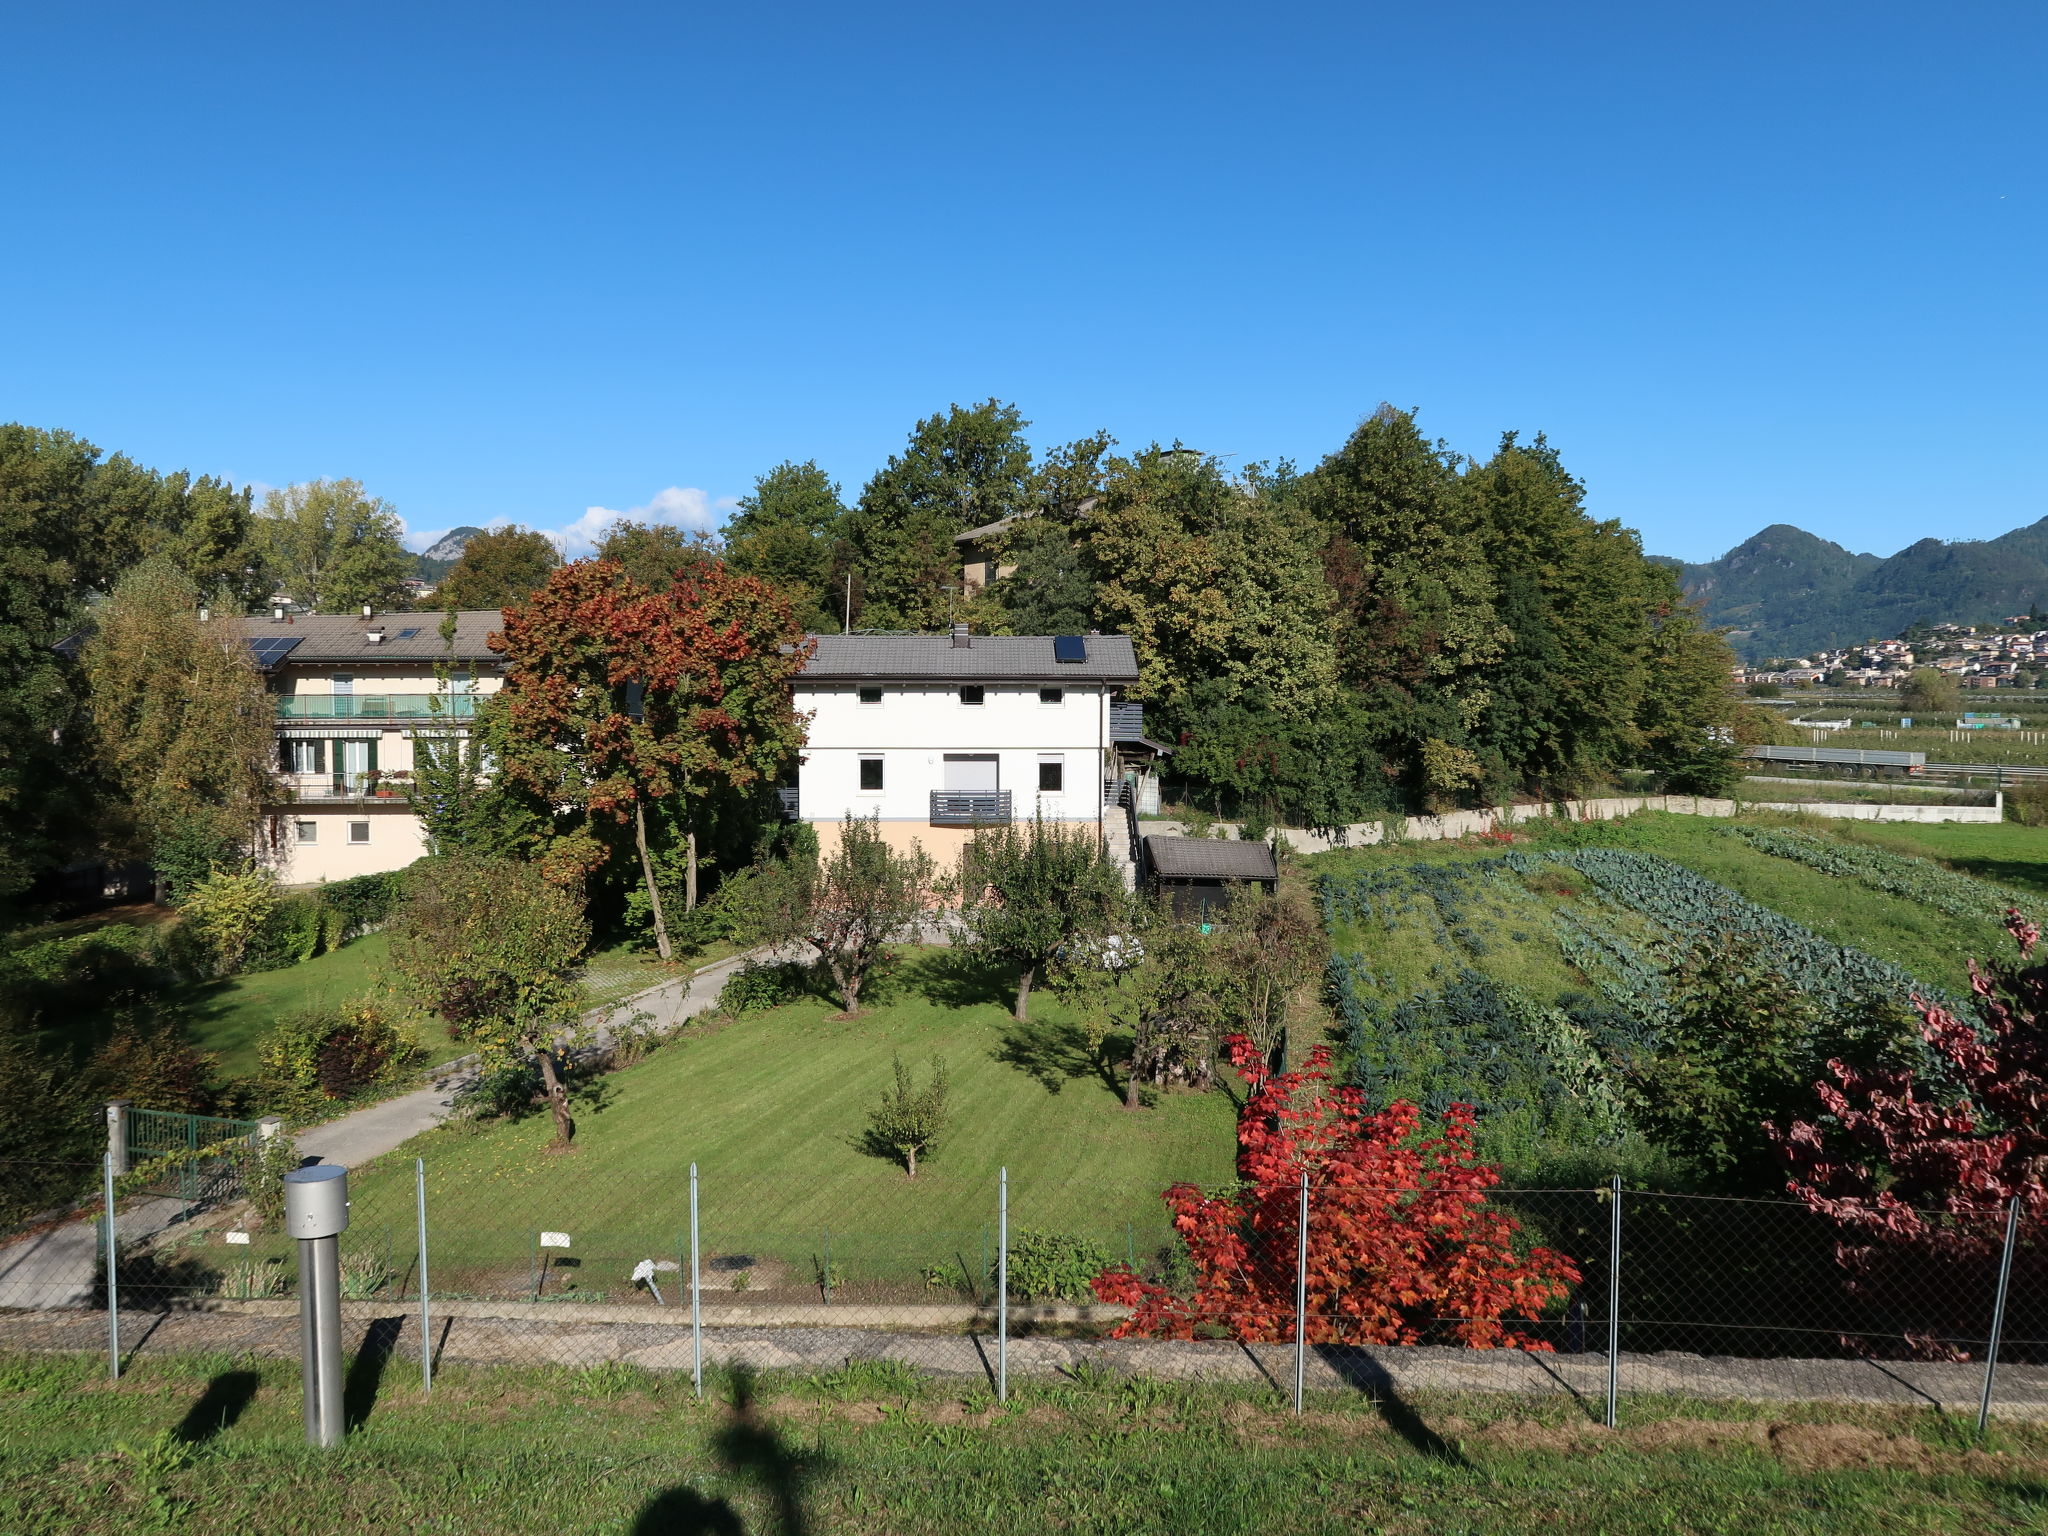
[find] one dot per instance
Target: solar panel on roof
(268, 653)
(1069, 648)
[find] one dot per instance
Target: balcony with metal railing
(972, 808)
(377, 706)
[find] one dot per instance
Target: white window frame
(1058, 699)
(358, 826)
(860, 696)
(1057, 760)
(881, 772)
(305, 833)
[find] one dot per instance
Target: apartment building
(936, 735)
(352, 693)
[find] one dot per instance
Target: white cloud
(684, 506)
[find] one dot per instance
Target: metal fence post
(1301, 1293)
(419, 1173)
(696, 1310)
(1003, 1286)
(113, 1267)
(1614, 1308)
(117, 1133)
(2012, 1235)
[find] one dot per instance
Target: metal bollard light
(316, 1213)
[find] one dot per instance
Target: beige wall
(396, 839)
(944, 844)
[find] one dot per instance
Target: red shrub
(1400, 1233)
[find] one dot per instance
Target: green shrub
(760, 985)
(295, 930)
(116, 969)
(362, 902)
(317, 1057)
(264, 1163)
(2027, 804)
(1053, 1266)
(229, 913)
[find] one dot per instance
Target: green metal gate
(205, 1151)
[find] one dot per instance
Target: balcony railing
(982, 808)
(376, 706)
(1126, 722)
(352, 788)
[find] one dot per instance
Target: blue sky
(1746, 263)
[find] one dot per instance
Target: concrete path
(356, 1138)
(663, 1343)
(58, 1265)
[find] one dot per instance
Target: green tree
(1161, 980)
(850, 905)
(495, 948)
(1417, 632)
(180, 721)
(1272, 956)
(1026, 892)
(785, 532)
(656, 555)
(332, 547)
(964, 469)
(497, 569)
(1574, 597)
(909, 1120)
(1931, 692)
(1693, 726)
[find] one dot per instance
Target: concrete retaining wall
(1430, 829)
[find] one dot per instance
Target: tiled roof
(1199, 858)
(985, 658)
(334, 637)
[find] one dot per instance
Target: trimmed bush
(363, 902)
(760, 985)
(315, 1058)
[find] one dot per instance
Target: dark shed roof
(985, 658)
(1198, 858)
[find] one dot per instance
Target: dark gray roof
(1198, 858)
(333, 637)
(987, 658)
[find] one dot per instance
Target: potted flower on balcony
(375, 779)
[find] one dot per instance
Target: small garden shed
(1199, 874)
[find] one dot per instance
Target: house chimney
(277, 613)
(367, 610)
(962, 638)
(205, 613)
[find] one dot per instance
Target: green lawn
(215, 1445)
(772, 1108)
(2003, 851)
(229, 1017)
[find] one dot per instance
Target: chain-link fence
(1591, 1294)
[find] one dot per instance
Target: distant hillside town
(2011, 655)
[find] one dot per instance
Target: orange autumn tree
(617, 696)
(1401, 1240)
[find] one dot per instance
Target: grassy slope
(615, 1451)
(770, 1107)
(229, 1017)
(2006, 852)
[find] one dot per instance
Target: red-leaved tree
(1401, 1240)
(1918, 1183)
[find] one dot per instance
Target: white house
(351, 692)
(938, 734)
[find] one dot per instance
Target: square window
(871, 773)
(973, 693)
(1051, 776)
(307, 831)
(1052, 695)
(871, 695)
(359, 831)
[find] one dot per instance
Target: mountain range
(1786, 592)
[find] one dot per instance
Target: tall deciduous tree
(333, 547)
(656, 555)
(1026, 892)
(785, 532)
(498, 568)
(1931, 692)
(964, 469)
(616, 696)
(850, 905)
(180, 719)
(495, 948)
